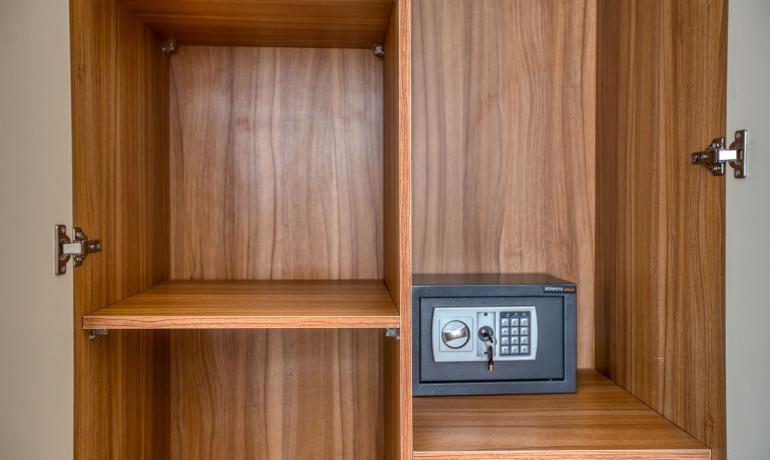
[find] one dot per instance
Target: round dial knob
(455, 334)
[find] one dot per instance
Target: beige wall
(36, 379)
(748, 226)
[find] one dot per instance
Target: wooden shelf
(600, 421)
(251, 305)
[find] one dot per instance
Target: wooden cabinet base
(600, 421)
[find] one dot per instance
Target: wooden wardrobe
(266, 176)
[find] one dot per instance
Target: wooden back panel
(120, 181)
(660, 220)
(277, 173)
(276, 160)
(503, 147)
(277, 394)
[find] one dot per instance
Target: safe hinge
(393, 332)
(718, 154)
(76, 248)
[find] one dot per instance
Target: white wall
(36, 368)
(748, 233)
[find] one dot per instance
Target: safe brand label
(558, 289)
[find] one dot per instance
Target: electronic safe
(493, 334)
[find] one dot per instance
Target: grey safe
(493, 334)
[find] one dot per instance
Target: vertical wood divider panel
(277, 173)
(120, 181)
(660, 220)
(504, 142)
(398, 262)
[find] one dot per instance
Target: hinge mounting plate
(718, 154)
(75, 248)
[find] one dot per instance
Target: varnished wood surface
(503, 144)
(600, 421)
(251, 304)
(277, 164)
(120, 181)
(639, 454)
(397, 228)
(269, 394)
(295, 23)
(660, 220)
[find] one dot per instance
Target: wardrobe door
(660, 219)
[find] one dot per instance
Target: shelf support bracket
(378, 49)
(393, 332)
(94, 334)
(169, 47)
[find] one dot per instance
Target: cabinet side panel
(397, 188)
(660, 220)
(504, 137)
(120, 194)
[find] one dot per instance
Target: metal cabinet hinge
(393, 332)
(76, 248)
(718, 154)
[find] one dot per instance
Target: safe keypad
(514, 333)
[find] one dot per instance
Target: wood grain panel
(504, 137)
(397, 228)
(297, 23)
(120, 181)
(599, 421)
(277, 161)
(639, 454)
(277, 394)
(660, 220)
(250, 305)
(276, 156)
